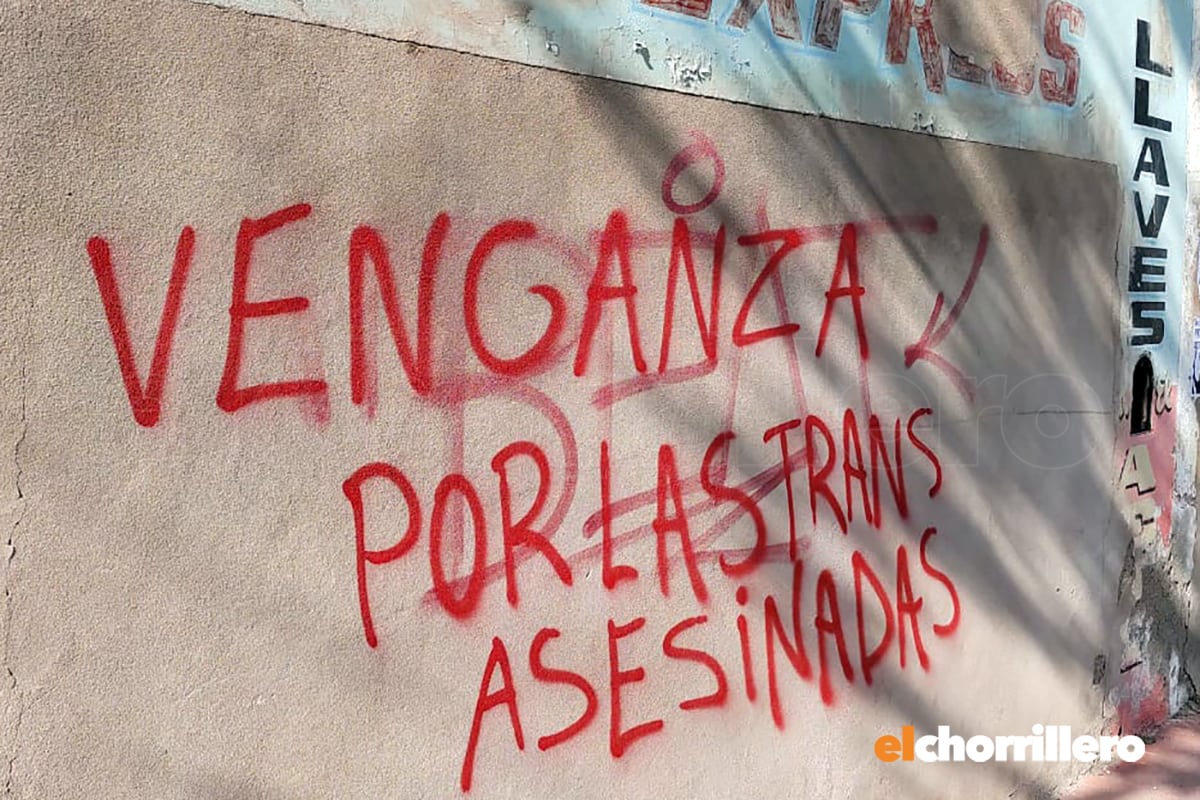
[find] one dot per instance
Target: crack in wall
(11, 549)
(8, 605)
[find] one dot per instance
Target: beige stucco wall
(183, 610)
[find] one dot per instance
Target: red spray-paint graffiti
(849, 469)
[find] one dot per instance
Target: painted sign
(1156, 120)
(1032, 74)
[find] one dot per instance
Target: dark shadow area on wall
(986, 559)
(1143, 397)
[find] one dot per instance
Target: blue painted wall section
(1035, 74)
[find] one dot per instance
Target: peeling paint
(688, 72)
(644, 52)
(923, 123)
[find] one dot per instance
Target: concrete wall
(1050, 76)
(467, 516)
